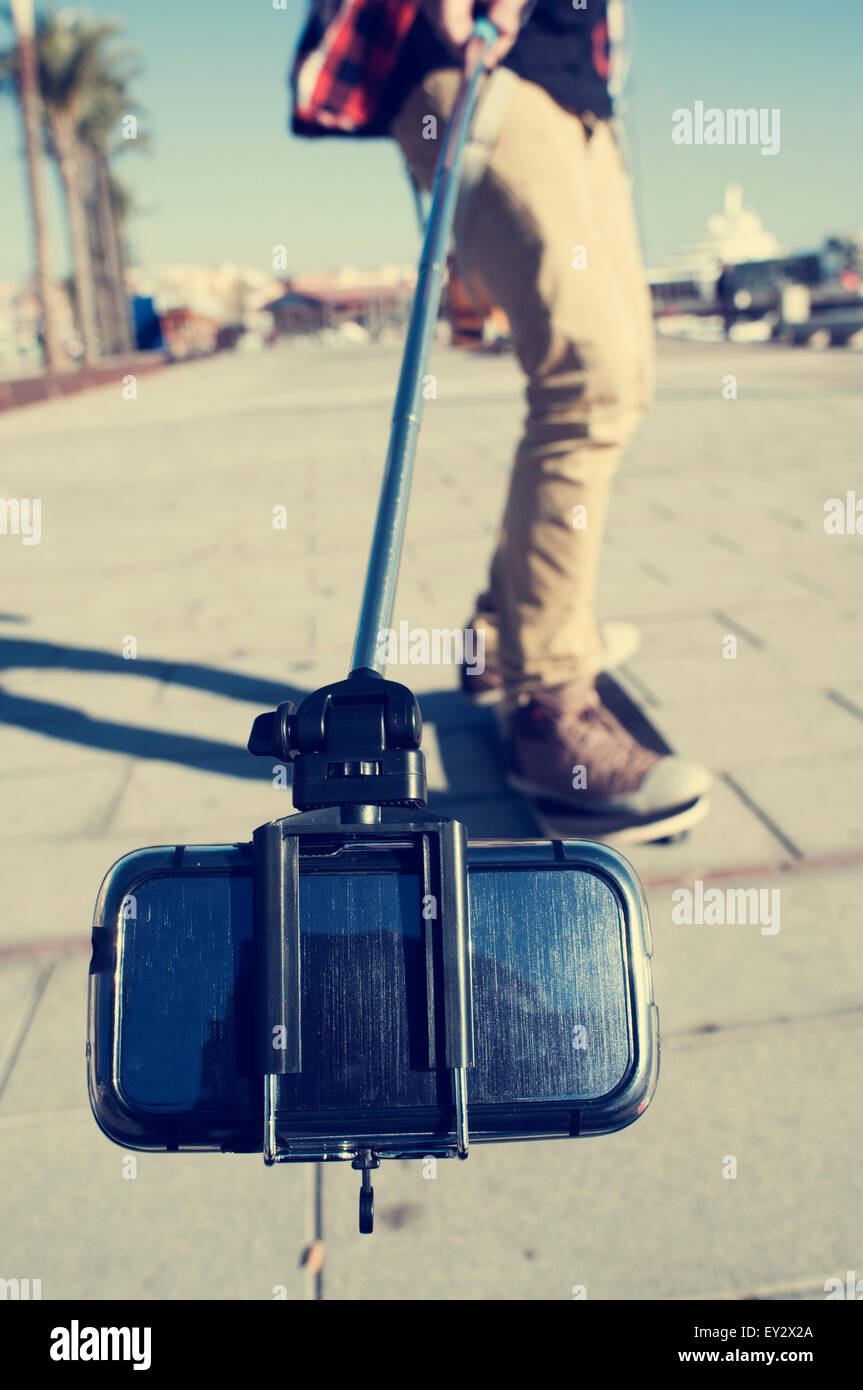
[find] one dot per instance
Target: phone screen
(551, 992)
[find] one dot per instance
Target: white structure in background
(348, 277)
(228, 294)
(20, 318)
(734, 235)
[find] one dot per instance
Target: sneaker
(619, 642)
(565, 745)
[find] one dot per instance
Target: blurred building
(739, 280)
(192, 310)
(225, 294)
(21, 327)
(734, 235)
(376, 302)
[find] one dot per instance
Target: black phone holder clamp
(354, 743)
(358, 778)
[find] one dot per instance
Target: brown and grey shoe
(564, 744)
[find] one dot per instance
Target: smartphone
(565, 1025)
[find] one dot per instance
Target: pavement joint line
(653, 572)
(58, 946)
(766, 820)
(163, 682)
(671, 615)
(723, 543)
(810, 584)
(787, 518)
(738, 628)
(713, 1030)
(754, 1295)
(102, 824)
(79, 1114)
(823, 863)
(844, 703)
(28, 1013)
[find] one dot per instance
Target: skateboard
(559, 820)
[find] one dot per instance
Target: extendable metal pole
(382, 574)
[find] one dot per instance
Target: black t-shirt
(562, 49)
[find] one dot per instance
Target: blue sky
(225, 182)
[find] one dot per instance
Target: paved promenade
(156, 527)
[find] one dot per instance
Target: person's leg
(612, 200)
(580, 343)
(614, 216)
(538, 242)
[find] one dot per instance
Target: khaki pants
(550, 237)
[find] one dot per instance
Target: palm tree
(19, 71)
(71, 59)
(122, 206)
(83, 80)
(109, 203)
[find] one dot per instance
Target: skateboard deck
(558, 820)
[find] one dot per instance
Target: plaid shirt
(347, 52)
(350, 49)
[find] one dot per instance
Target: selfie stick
(382, 574)
(358, 769)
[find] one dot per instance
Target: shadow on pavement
(474, 765)
(470, 750)
(70, 725)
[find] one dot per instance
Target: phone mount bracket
(359, 775)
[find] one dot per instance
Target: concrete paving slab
(50, 1070)
(51, 891)
(78, 1220)
(816, 801)
(795, 954)
(20, 981)
(717, 522)
(645, 1214)
(185, 804)
(728, 730)
(58, 801)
